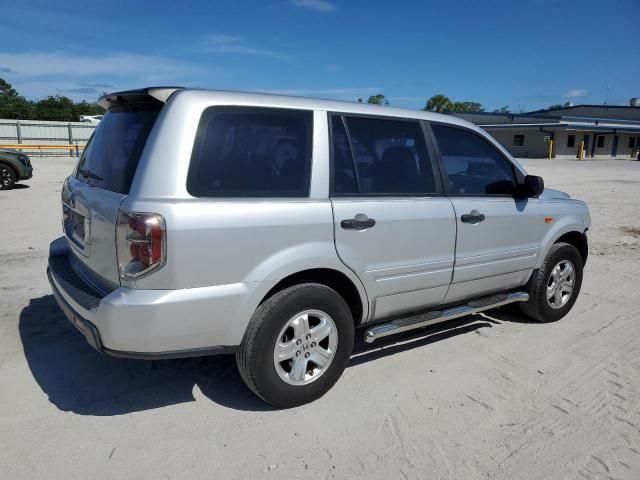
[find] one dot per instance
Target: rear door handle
(473, 217)
(360, 222)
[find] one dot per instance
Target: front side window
(472, 166)
(386, 157)
(252, 152)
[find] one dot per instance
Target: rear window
(111, 157)
(251, 152)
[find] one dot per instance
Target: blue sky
(526, 54)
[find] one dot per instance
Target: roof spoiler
(142, 95)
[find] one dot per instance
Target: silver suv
(276, 228)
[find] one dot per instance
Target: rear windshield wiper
(90, 174)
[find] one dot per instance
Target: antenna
(606, 94)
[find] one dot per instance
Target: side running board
(437, 316)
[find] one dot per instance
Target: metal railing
(74, 150)
(45, 138)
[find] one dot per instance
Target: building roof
(568, 107)
(618, 112)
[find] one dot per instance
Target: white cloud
(222, 43)
(317, 5)
(59, 63)
(576, 92)
(37, 74)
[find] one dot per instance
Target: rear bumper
(83, 325)
(146, 324)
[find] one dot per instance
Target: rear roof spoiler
(142, 95)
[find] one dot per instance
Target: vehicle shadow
(78, 379)
(364, 352)
(20, 186)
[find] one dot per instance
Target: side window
(344, 173)
(472, 166)
(251, 152)
(390, 158)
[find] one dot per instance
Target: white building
(604, 131)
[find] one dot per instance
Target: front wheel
(7, 177)
(554, 288)
(297, 345)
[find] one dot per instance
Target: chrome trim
(437, 316)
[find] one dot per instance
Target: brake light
(141, 241)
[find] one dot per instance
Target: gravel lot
(487, 396)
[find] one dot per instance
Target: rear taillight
(141, 241)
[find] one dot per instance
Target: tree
(378, 100)
(58, 107)
(13, 105)
(55, 108)
(438, 103)
(86, 108)
(504, 109)
(467, 107)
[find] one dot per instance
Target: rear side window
(472, 166)
(344, 174)
(385, 157)
(252, 152)
(111, 156)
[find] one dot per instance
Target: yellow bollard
(550, 152)
(581, 150)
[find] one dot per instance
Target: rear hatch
(92, 195)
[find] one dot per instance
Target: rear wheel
(556, 285)
(7, 177)
(297, 345)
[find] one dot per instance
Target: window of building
(472, 165)
(632, 142)
(600, 141)
(252, 152)
(389, 158)
(571, 141)
(518, 140)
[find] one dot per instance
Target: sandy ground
(488, 396)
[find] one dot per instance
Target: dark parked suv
(14, 166)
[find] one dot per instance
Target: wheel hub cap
(561, 284)
(305, 347)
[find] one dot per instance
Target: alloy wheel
(305, 347)
(561, 283)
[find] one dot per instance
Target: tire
(545, 304)
(280, 319)
(7, 177)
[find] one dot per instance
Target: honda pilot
(282, 229)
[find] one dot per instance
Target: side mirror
(533, 186)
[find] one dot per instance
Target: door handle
(360, 222)
(473, 217)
